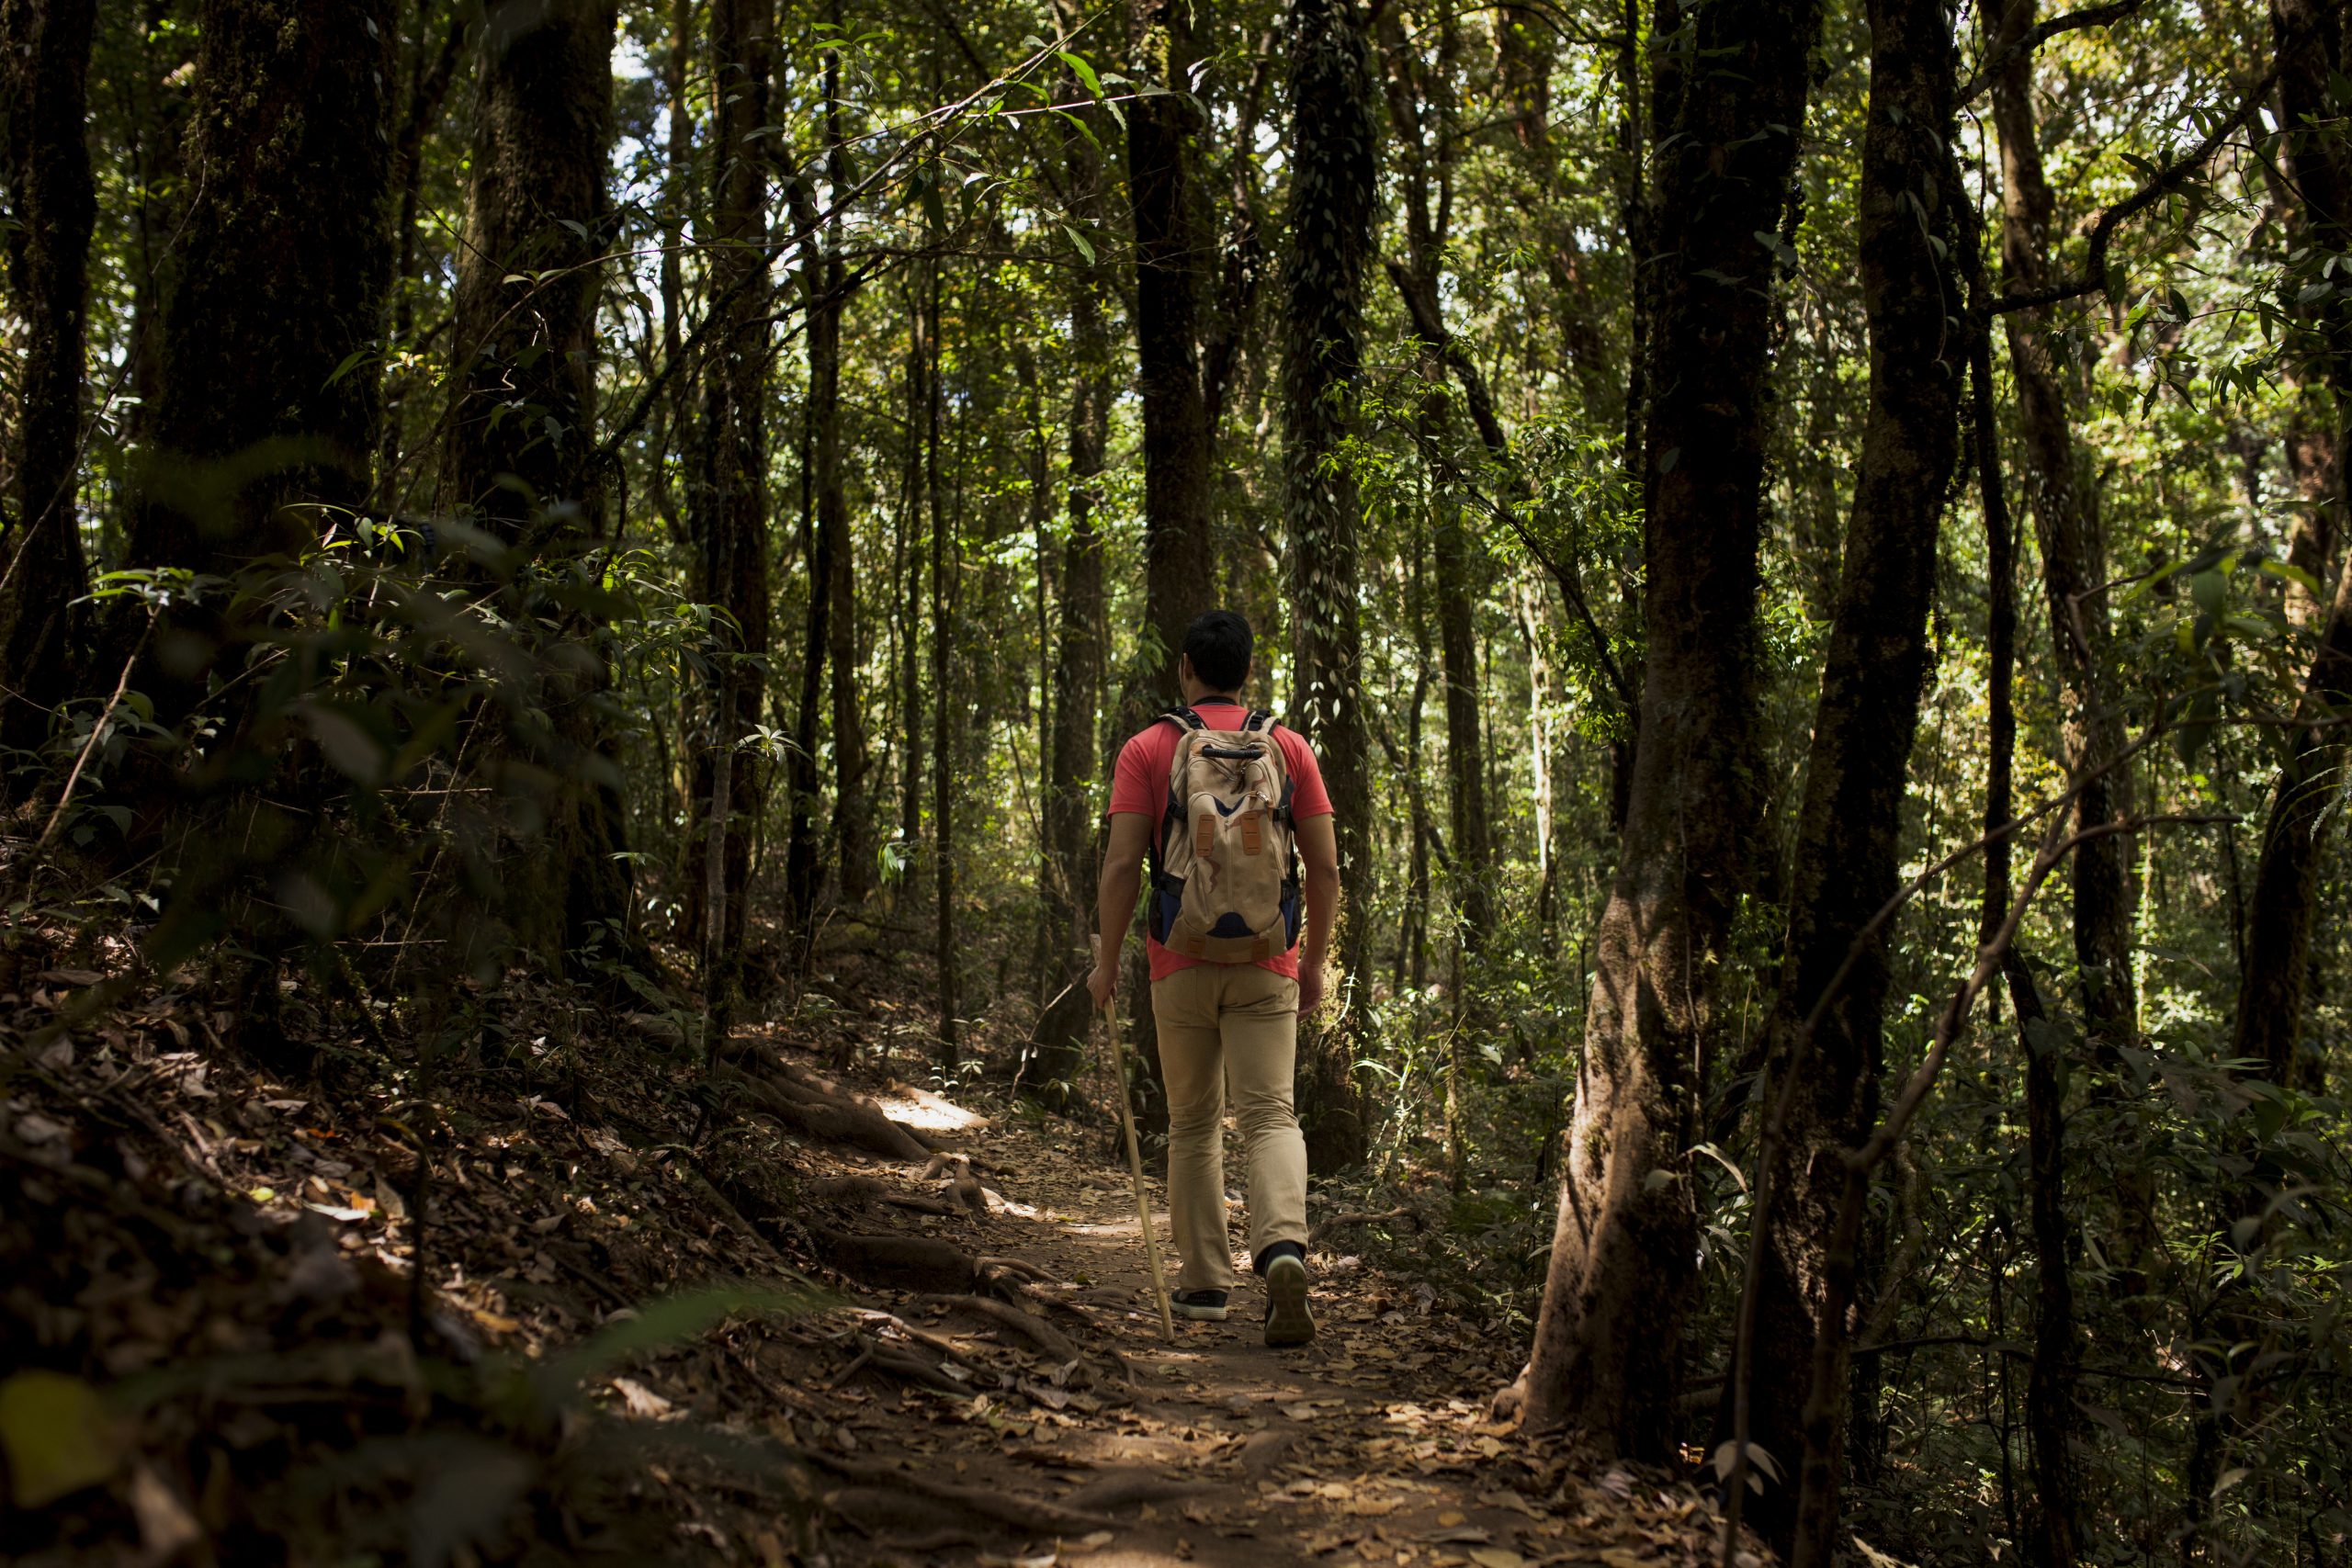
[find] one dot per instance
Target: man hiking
(1227, 804)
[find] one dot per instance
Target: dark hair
(1217, 642)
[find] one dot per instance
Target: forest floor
(797, 1310)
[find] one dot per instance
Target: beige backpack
(1225, 885)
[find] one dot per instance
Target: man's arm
(1318, 846)
(1114, 898)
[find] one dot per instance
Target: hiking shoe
(1201, 1306)
(1287, 1320)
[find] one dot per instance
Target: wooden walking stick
(1134, 1156)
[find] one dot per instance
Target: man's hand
(1310, 985)
(1103, 980)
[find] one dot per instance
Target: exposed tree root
(835, 1118)
(805, 1083)
(929, 1341)
(1015, 1266)
(864, 1190)
(904, 1365)
(903, 1262)
(1031, 1514)
(1034, 1329)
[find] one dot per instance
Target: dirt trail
(1370, 1445)
(343, 1318)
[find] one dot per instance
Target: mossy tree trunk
(521, 457)
(1333, 174)
(1729, 91)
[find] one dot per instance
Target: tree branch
(2006, 50)
(2166, 181)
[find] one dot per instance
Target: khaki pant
(1230, 1028)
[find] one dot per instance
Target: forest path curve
(1369, 1445)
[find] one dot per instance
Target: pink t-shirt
(1139, 788)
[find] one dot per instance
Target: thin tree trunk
(853, 824)
(1429, 190)
(2072, 558)
(1413, 954)
(678, 186)
(1455, 555)
(943, 707)
(803, 862)
(45, 163)
(1850, 827)
(2052, 1538)
(1730, 93)
(1333, 172)
(2285, 907)
(1073, 748)
(431, 73)
(922, 445)
(731, 504)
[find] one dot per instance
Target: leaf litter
(655, 1319)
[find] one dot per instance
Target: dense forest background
(1810, 538)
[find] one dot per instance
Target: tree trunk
(2072, 556)
(1454, 552)
(2052, 1538)
(1850, 827)
(830, 641)
(678, 184)
(263, 419)
(853, 824)
(1429, 205)
(2285, 905)
(45, 163)
(803, 861)
(1332, 178)
(431, 71)
(1163, 131)
(1072, 747)
(1730, 93)
(1165, 203)
(942, 708)
(520, 456)
(731, 504)
(922, 442)
(281, 279)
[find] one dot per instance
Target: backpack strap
(1259, 719)
(1183, 717)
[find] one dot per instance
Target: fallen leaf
(640, 1400)
(55, 1432)
(1497, 1557)
(35, 1128)
(165, 1526)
